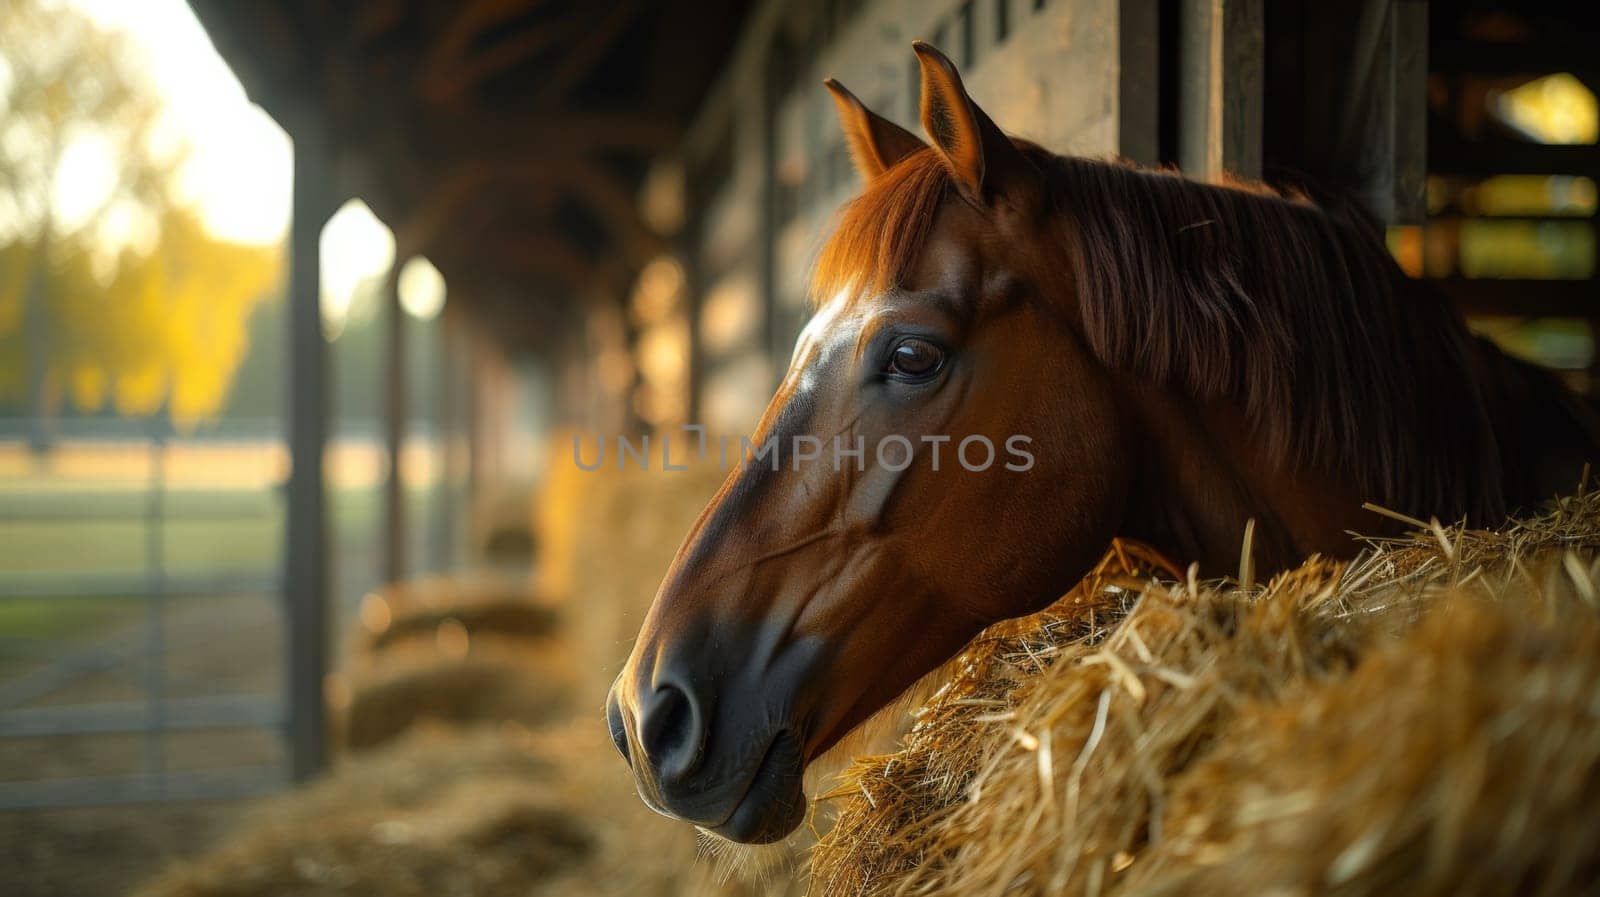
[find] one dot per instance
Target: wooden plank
(1448, 155)
(1538, 58)
(1530, 298)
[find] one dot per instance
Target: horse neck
(1200, 478)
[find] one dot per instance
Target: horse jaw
(878, 734)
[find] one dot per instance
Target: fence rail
(202, 784)
(142, 519)
(176, 715)
(131, 584)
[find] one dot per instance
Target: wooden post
(1364, 96)
(305, 579)
(1221, 60)
(396, 408)
(1382, 137)
(36, 326)
(449, 402)
(694, 297)
(1138, 81)
(775, 81)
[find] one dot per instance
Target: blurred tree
(111, 293)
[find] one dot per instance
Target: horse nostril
(619, 728)
(669, 731)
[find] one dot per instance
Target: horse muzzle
(727, 770)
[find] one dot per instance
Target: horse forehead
(833, 326)
(953, 255)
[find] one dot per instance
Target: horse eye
(914, 358)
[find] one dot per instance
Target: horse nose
(618, 726)
(671, 732)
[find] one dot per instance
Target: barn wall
(766, 165)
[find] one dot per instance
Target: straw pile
(478, 761)
(461, 650)
(501, 812)
(1424, 720)
(459, 692)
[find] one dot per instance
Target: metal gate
(146, 615)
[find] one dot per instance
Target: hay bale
(460, 650)
(465, 692)
(472, 780)
(1422, 720)
(436, 814)
(485, 603)
(503, 811)
(513, 619)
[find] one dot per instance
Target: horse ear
(876, 143)
(983, 159)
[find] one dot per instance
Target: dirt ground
(106, 851)
(220, 646)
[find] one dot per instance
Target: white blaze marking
(817, 341)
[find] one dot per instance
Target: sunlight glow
(238, 163)
(84, 181)
(357, 252)
(422, 290)
(1553, 109)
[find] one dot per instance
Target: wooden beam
(1448, 154)
(443, 202)
(374, 19)
(611, 201)
(1454, 56)
(452, 68)
(584, 180)
(447, 136)
(545, 254)
(580, 60)
(1525, 298)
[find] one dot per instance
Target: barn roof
(504, 139)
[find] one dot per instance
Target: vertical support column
(1365, 80)
(448, 400)
(774, 81)
(472, 477)
(155, 646)
(694, 297)
(36, 326)
(1411, 112)
(1221, 60)
(1382, 142)
(1138, 81)
(305, 578)
(396, 410)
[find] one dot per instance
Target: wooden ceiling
(504, 139)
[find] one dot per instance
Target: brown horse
(1178, 358)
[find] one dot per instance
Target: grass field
(51, 619)
(71, 531)
(63, 549)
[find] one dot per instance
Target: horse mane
(1235, 292)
